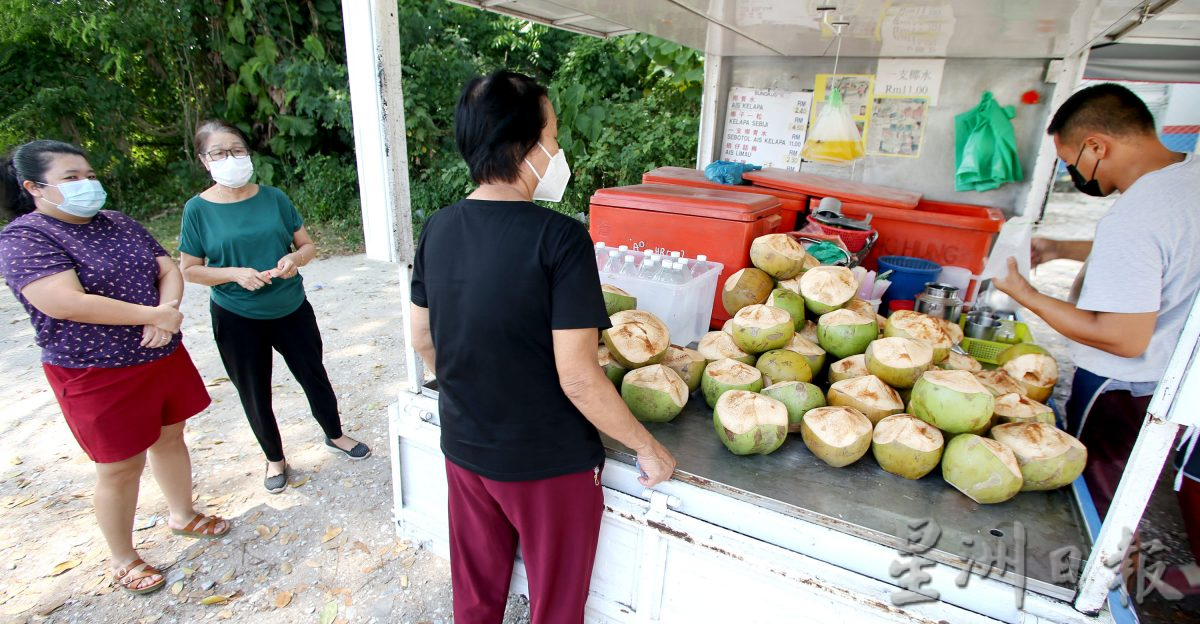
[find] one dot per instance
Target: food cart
(784, 537)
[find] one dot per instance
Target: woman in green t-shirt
(248, 242)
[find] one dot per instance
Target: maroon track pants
(557, 521)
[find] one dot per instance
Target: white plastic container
(686, 308)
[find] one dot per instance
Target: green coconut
(727, 326)
(998, 382)
(1049, 457)
(809, 332)
(848, 368)
(1017, 350)
(783, 365)
(789, 284)
(869, 395)
(687, 363)
(844, 333)
(919, 327)
(810, 350)
(637, 338)
(860, 306)
(1036, 372)
(985, 470)
(953, 401)
(952, 330)
(617, 300)
(725, 375)
(790, 302)
(779, 255)
(716, 345)
(749, 423)
(827, 288)
(798, 397)
(958, 361)
(882, 322)
(654, 393)
(614, 371)
(748, 286)
(1014, 408)
(906, 446)
(838, 436)
(760, 328)
(899, 362)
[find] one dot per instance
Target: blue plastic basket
(909, 276)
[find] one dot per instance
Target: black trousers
(246, 346)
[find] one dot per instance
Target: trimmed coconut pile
(809, 332)
(654, 393)
(789, 302)
(999, 382)
(919, 327)
(848, 368)
(725, 375)
(637, 338)
(844, 333)
(839, 436)
(715, 346)
(746, 287)
(614, 371)
(869, 395)
(758, 328)
(1048, 457)
(899, 362)
(1037, 373)
(810, 350)
(1014, 408)
(827, 288)
(687, 363)
(953, 401)
(958, 361)
(906, 446)
(749, 423)
(780, 256)
(985, 470)
(783, 365)
(617, 300)
(798, 397)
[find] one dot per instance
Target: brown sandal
(203, 527)
(137, 570)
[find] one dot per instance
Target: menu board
(766, 127)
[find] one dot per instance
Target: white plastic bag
(834, 138)
(1013, 241)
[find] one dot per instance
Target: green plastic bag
(985, 149)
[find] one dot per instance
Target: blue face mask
(81, 198)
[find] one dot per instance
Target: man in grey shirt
(1142, 273)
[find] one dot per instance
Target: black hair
(1108, 108)
(499, 118)
(28, 162)
(210, 127)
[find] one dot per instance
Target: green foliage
(324, 187)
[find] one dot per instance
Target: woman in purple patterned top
(103, 297)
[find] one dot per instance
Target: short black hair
(499, 118)
(1108, 108)
(28, 162)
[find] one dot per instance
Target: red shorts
(116, 413)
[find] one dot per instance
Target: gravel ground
(323, 551)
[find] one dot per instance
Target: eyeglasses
(222, 154)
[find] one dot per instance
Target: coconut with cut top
(844, 333)
(749, 423)
(1036, 372)
(810, 350)
(869, 395)
(799, 397)
(906, 446)
(848, 368)
(1014, 408)
(789, 302)
(783, 365)
(1049, 457)
(999, 382)
(725, 375)
(839, 436)
(958, 361)
(637, 338)
(899, 362)
(617, 300)
(614, 371)
(688, 363)
(952, 330)
(985, 470)
(761, 328)
(953, 401)
(748, 286)
(717, 345)
(779, 256)
(654, 393)
(919, 327)
(827, 288)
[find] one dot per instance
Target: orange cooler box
(794, 204)
(718, 224)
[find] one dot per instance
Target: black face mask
(1087, 187)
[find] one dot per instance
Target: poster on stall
(857, 91)
(917, 30)
(909, 77)
(766, 127)
(897, 126)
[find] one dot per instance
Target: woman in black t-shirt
(506, 308)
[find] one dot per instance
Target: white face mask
(553, 183)
(81, 198)
(231, 171)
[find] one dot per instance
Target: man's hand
(1013, 284)
(656, 463)
(1043, 250)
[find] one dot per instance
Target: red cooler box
(719, 224)
(818, 186)
(795, 205)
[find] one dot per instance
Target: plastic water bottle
(679, 274)
(629, 267)
(676, 255)
(613, 263)
(649, 269)
(700, 266)
(601, 255)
